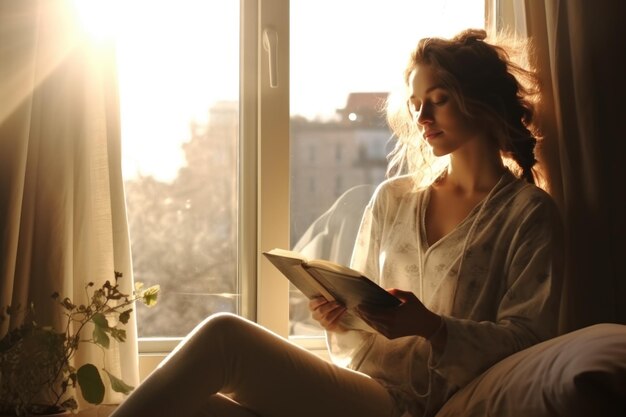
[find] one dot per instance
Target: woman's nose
(424, 116)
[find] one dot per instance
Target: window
(209, 141)
(190, 123)
(180, 115)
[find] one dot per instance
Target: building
(328, 158)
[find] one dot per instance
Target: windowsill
(102, 410)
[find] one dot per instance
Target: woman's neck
(475, 173)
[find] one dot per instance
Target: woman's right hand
(327, 313)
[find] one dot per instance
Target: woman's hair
(488, 87)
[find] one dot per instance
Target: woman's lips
(432, 134)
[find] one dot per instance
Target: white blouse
(495, 279)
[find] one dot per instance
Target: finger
(331, 319)
(402, 295)
(322, 311)
(328, 307)
(315, 302)
(334, 317)
(336, 313)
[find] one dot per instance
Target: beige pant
(256, 373)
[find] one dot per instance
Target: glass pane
(179, 87)
(346, 56)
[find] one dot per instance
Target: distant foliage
(183, 233)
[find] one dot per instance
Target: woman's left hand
(411, 318)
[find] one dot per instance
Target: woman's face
(444, 127)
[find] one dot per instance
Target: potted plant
(37, 376)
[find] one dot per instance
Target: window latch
(270, 42)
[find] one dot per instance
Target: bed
(582, 373)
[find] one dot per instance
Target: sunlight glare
(169, 76)
(177, 58)
(364, 54)
(98, 18)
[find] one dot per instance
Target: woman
(475, 252)
(481, 261)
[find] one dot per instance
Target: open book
(332, 281)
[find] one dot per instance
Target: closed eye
(440, 101)
(414, 105)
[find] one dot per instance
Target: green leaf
(90, 384)
(125, 316)
(118, 385)
(99, 320)
(118, 334)
(101, 326)
(101, 338)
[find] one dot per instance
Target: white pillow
(582, 373)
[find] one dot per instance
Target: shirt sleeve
(526, 314)
(348, 348)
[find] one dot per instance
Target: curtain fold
(579, 51)
(62, 210)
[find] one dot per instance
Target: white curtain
(62, 210)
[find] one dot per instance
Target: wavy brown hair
(489, 87)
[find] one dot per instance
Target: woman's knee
(222, 325)
(211, 337)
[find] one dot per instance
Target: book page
(333, 267)
(352, 291)
(330, 280)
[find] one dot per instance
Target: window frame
(273, 127)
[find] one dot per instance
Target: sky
(342, 46)
(177, 57)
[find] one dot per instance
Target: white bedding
(582, 373)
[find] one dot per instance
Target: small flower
(149, 296)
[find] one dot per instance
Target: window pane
(345, 58)
(179, 87)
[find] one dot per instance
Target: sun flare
(176, 58)
(98, 18)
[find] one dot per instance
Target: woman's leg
(259, 370)
(222, 406)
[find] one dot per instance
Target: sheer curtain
(580, 55)
(62, 210)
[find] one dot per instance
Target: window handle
(270, 42)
